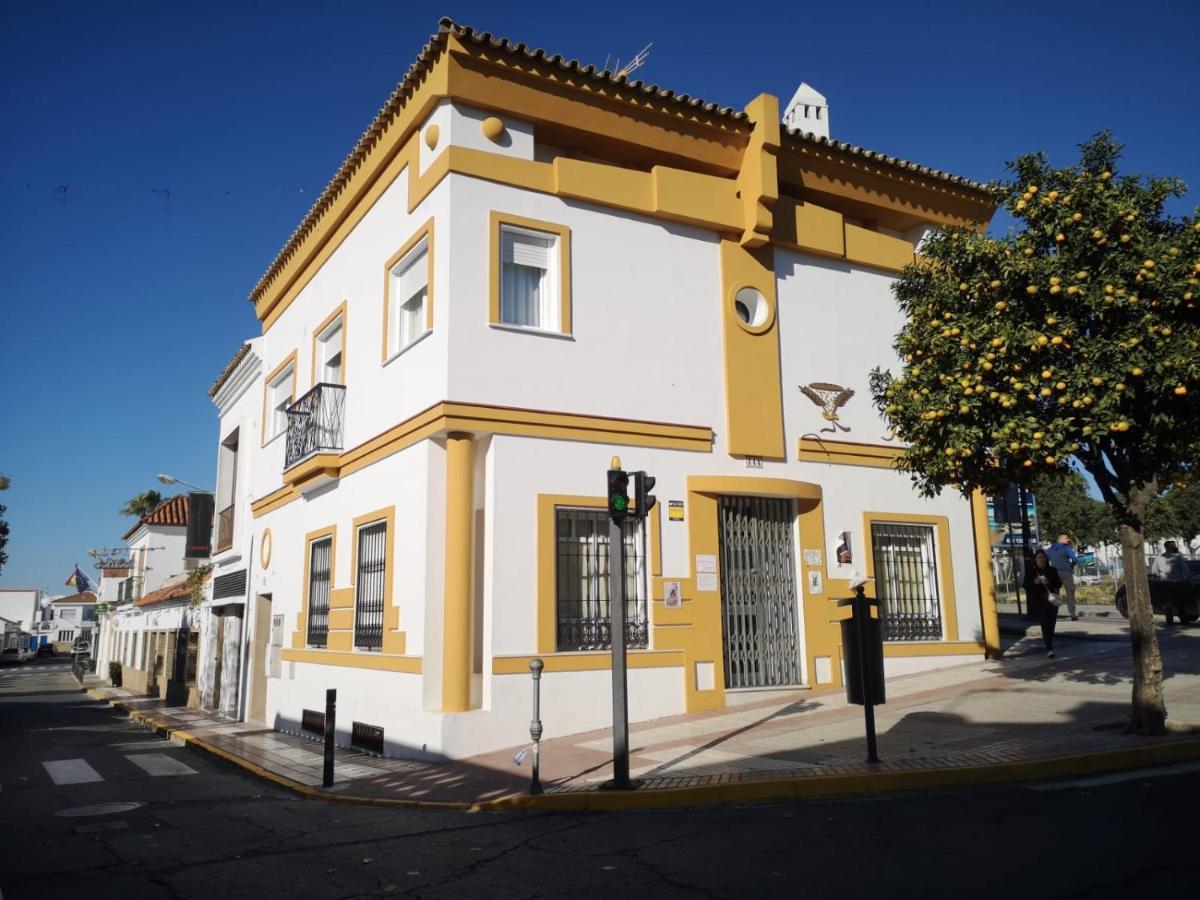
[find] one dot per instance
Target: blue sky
(154, 157)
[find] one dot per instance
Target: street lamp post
(171, 479)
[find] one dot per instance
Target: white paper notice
(814, 582)
(706, 581)
(706, 562)
(812, 557)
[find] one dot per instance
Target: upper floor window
(409, 314)
(528, 280)
(531, 279)
(281, 390)
(227, 466)
(331, 345)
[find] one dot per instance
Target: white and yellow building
(523, 268)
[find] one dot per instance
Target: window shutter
(526, 250)
(412, 277)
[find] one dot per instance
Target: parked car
(82, 646)
(46, 650)
(11, 656)
(1170, 599)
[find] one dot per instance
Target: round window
(751, 308)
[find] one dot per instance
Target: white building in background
(22, 605)
(524, 268)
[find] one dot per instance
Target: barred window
(319, 564)
(906, 581)
(581, 581)
(368, 603)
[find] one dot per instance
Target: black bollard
(330, 726)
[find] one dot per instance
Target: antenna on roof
(633, 65)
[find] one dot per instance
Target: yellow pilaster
(456, 622)
(983, 568)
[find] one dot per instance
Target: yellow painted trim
(488, 419)
(587, 662)
(496, 222)
(654, 539)
(945, 558)
(904, 649)
(300, 635)
(281, 496)
(753, 487)
(425, 231)
(393, 639)
(264, 549)
(758, 177)
(988, 613)
(378, 661)
(431, 136)
(547, 564)
(317, 465)
(874, 248)
(457, 607)
(847, 453)
(753, 392)
(339, 311)
(289, 360)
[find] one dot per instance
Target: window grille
(581, 581)
(320, 554)
(906, 581)
(372, 563)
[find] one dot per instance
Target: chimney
(808, 111)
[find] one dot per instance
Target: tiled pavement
(1022, 708)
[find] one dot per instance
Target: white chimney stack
(808, 111)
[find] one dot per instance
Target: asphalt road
(201, 828)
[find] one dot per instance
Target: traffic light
(644, 501)
(618, 495)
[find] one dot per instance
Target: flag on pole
(79, 581)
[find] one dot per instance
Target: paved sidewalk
(1018, 718)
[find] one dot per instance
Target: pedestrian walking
(1042, 586)
(1062, 557)
(1172, 569)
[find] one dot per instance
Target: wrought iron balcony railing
(315, 423)
(225, 528)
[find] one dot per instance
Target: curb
(304, 790)
(758, 791)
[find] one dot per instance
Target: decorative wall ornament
(831, 398)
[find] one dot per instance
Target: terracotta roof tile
(85, 597)
(175, 589)
(433, 50)
(229, 367)
(172, 511)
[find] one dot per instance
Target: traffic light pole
(620, 681)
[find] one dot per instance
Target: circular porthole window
(752, 309)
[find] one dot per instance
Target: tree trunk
(1149, 713)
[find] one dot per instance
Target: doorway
(758, 591)
(258, 659)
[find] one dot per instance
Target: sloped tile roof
(175, 588)
(172, 511)
(433, 50)
(85, 597)
(229, 367)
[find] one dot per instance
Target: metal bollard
(330, 725)
(535, 725)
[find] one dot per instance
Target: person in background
(1171, 568)
(1063, 558)
(1042, 580)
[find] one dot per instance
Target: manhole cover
(98, 809)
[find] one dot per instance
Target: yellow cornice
(847, 453)
(452, 416)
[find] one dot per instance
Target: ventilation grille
(231, 585)
(313, 722)
(368, 738)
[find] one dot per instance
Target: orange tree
(1074, 340)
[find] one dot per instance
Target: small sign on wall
(675, 510)
(672, 595)
(812, 557)
(814, 582)
(706, 581)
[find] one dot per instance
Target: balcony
(314, 437)
(225, 529)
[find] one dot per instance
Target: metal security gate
(906, 581)
(758, 592)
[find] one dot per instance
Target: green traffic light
(620, 503)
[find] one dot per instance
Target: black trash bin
(859, 660)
